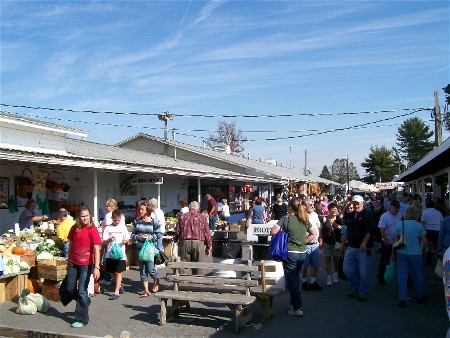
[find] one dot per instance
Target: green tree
(339, 171)
(325, 174)
(380, 165)
(413, 140)
(227, 135)
(446, 114)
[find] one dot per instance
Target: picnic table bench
(233, 292)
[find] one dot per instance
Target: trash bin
(226, 249)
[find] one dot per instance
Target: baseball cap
(357, 198)
(395, 204)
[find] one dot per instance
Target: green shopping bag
(116, 252)
(389, 275)
(143, 254)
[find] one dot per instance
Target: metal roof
(279, 172)
(90, 155)
(39, 124)
(436, 160)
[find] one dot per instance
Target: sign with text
(149, 180)
(259, 229)
(388, 185)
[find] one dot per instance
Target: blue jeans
(312, 256)
(147, 268)
(66, 249)
(82, 275)
(357, 267)
(212, 221)
(412, 265)
(292, 265)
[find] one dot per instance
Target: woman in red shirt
(84, 260)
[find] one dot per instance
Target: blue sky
(257, 58)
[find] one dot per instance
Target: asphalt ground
(327, 313)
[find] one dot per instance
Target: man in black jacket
(359, 238)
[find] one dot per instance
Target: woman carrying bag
(410, 234)
(146, 229)
(300, 232)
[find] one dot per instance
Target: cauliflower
(44, 255)
(15, 269)
(7, 270)
(50, 242)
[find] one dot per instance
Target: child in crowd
(116, 233)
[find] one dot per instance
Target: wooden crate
(50, 290)
(54, 270)
(11, 287)
(30, 259)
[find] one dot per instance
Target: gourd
(2, 248)
(29, 252)
(18, 250)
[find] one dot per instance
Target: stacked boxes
(53, 270)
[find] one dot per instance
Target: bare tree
(229, 136)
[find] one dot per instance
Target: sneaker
(422, 300)
(296, 313)
(104, 282)
(77, 324)
(362, 298)
(335, 278)
(315, 286)
(402, 304)
(113, 297)
(305, 286)
(352, 293)
(121, 290)
(329, 281)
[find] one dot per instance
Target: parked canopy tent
(357, 185)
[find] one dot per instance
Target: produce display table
(12, 285)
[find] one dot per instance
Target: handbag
(401, 243)
(278, 248)
(160, 258)
(116, 252)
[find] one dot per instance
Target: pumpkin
(29, 252)
(34, 285)
(18, 250)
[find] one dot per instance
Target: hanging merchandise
(46, 207)
(56, 186)
(39, 202)
(40, 180)
(25, 184)
(12, 206)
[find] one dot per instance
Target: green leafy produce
(48, 245)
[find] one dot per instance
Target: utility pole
(290, 156)
(165, 116)
(437, 120)
(306, 168)
(348, 176)
(174, 146)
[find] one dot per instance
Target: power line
(185, 130)
(218, 115)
